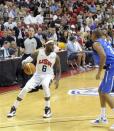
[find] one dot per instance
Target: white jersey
(45, 63)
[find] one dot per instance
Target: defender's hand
(98, 76)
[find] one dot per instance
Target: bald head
(96, 35)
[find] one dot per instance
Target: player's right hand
(23, 63)
(98, 76)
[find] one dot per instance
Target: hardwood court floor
(70, 113)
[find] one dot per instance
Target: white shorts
(38, 79)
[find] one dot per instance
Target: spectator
(3, 38)
(10, 37)
(75, 52)
(40, 18)
(19, 33)
(92, 8)
(29, 18)
(5, 47)
(10, 24)
(63, 37)
(41, 35)
(13, 51)
(54, 7)
(52, 34)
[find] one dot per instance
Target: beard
(50, 50)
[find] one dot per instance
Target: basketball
(61, 45)
(29, 68)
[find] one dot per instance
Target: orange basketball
(29, 68)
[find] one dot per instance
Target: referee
(29, 46)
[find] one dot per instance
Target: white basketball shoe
(99, 120)
(12, 112)
(47, 113)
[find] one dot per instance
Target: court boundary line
(47, 121)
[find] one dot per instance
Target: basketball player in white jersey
(46, 59)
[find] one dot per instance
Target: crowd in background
(68, 22)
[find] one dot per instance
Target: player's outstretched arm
(57, 71)
(29, 59)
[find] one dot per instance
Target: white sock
(47, 103)
(103, 112)
(16, 104)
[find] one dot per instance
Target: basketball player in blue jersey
(104, 56)
(46, 59)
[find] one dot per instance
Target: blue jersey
(109, 51)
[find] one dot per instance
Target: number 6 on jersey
(44, 67)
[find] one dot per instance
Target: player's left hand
(56, 84)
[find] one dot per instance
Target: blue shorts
(108, 81)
